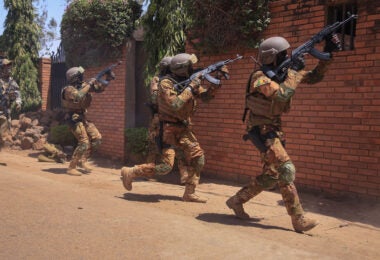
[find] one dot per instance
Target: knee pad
(287, 172)
(162, 169)
(198, 163)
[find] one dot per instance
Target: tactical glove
(96, 86)
(298, 64)
(195, 84)
(222, 72)
(110, 76)
(333, 43)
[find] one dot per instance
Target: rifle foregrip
(212, 80)
(320, 55)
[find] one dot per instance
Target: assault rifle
(205, 73)
(107, 71)
(279, 73)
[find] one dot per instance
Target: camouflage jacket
(9, 94)
(267, 100)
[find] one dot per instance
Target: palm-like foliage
(21, 39)
(165, 24)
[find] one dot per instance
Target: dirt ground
(46, 214)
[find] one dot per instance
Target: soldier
(76, 98)
(266, 101)
(175, 110)
(52, 153)
(154, 128)
(9, 95)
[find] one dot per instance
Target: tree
(21, 38)
(165, 24)
(48, 29)
(94, 31)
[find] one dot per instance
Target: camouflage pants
(164, 158)
(277, 170)
(88, 138)
(3, 129)
(177, 138)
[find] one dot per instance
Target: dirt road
(46, 214)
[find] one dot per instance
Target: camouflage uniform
(76, 99)
(266, 101)
(9, 94)
(174, 112)
(154, 132)
(52, 153)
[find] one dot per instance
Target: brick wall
(107, 111)
(44, 78)
(333, 129)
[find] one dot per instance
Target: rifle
(107, 71)
(205, 73)
(279, 74)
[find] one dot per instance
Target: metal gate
(58, 77)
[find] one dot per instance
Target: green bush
(220, 25)
(94, 31)
(137, 141)
(61, 135)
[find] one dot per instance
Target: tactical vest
(75, 105)
(166, 111)
(260, 105)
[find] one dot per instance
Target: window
(339, 12)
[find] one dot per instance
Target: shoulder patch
(263, 80)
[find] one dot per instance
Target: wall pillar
(45, 82)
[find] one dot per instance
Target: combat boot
(127, 176)
(234, 204)
(189, 195)
(85, 165)
(302, 223)
(72, 168)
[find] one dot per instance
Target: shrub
(94, 31)
(137, 140)
(61, 135)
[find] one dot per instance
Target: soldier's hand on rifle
(110, 76)
(222, 72)
(195, 84)
(298, 64)
(333, 43)
(18, 107)
(96, 86)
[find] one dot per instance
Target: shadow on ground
(227, 219)
(149, 198)
(55, 170)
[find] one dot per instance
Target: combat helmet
(74, 75)
(164, 64)
(181, 64)
(270, 48)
